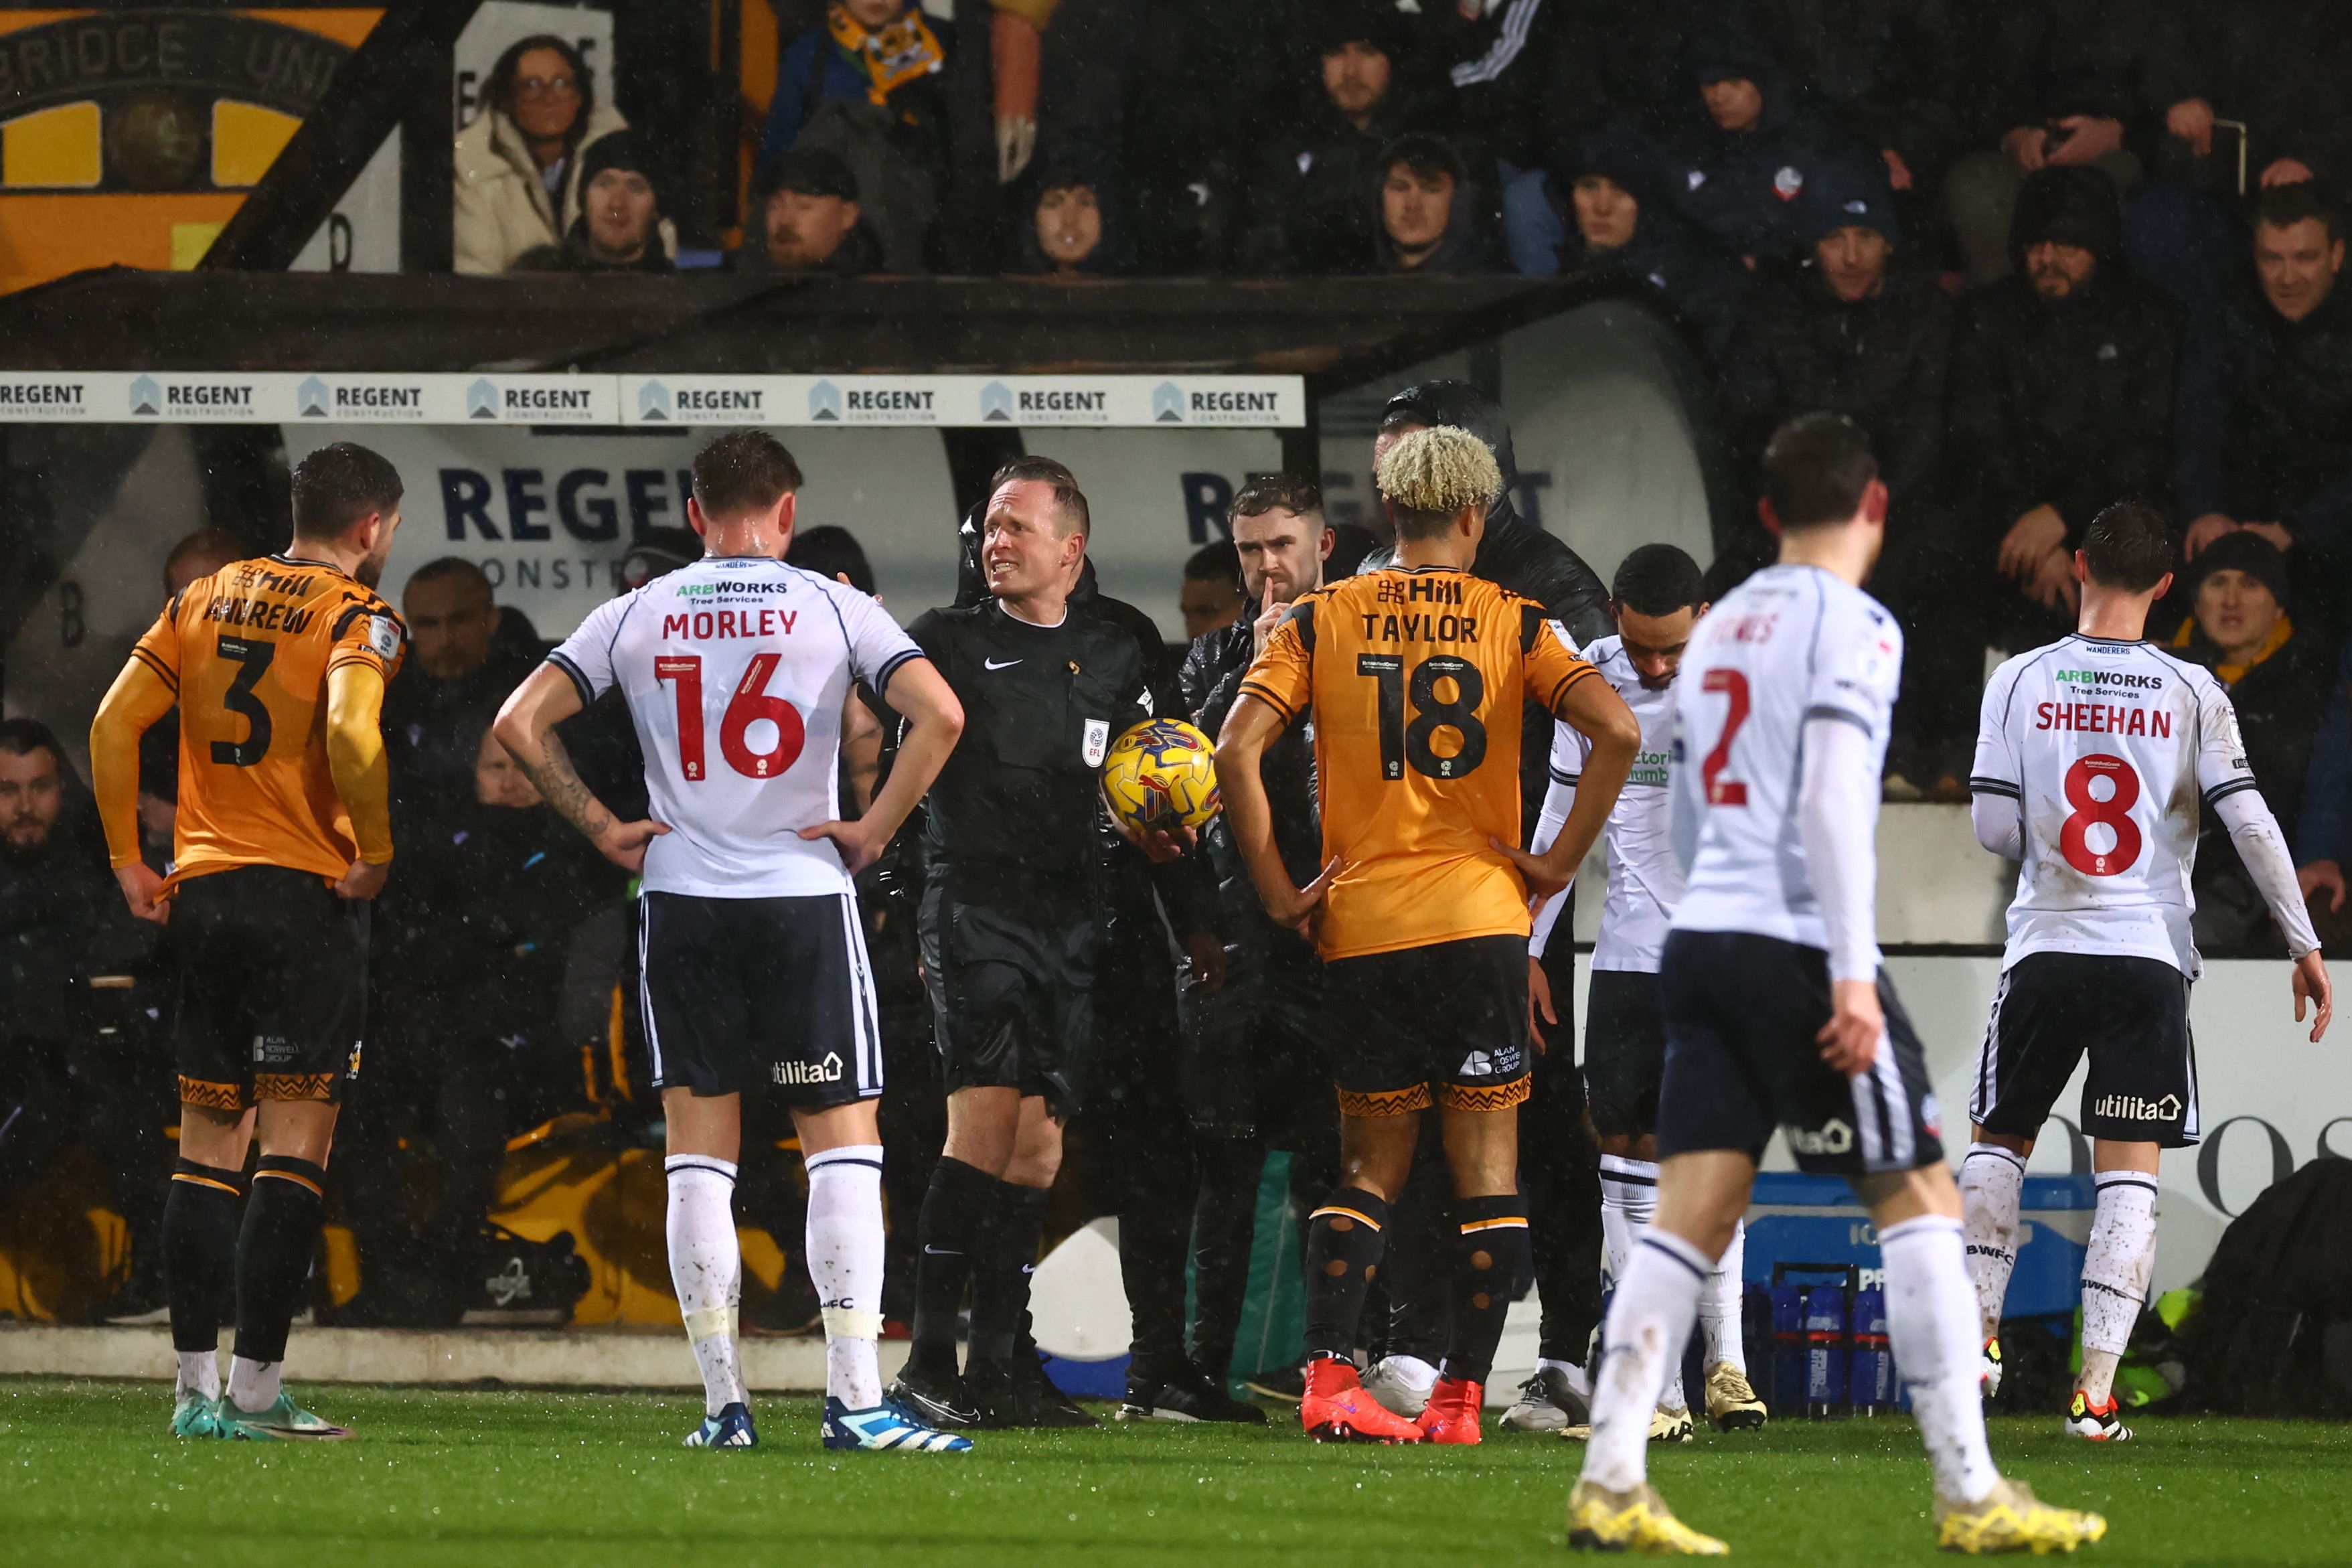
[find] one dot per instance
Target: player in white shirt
(2091, 759)
(1777, 1016)
(1657, 597)
(753, 969)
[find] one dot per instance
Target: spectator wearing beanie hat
(1858, 329)
(622, 226)
(2061, 396)
(808, 219)
(2240, 628)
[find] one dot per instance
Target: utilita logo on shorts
(2132, 1108)
(825, 1071)
(1834, 1137)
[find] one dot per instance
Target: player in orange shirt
(278, 667)
(1416, 676)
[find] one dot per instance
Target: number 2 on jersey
(750, 703)
(2115, 812)
(1721, 791)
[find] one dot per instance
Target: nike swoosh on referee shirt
(992, 663)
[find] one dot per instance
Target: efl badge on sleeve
(1097, 741)
(384, 636)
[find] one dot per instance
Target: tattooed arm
(526, 727)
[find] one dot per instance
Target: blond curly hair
(1431, 475)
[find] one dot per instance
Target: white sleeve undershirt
(1999, 824)
(1839, 801)
(2262, 847)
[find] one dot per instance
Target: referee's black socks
(949, 1234)
(1000, 1285)
(1492, 1258)
(200, 1220)
(274, 1252)
(1343, 1252)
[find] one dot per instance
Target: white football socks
(1931, 1321)
(1719, 1304)
(706, 1265)
(1650, 1318)
(845, 1263)
(253, 1385)
(1628, 1196)
(199, 1374)
(2115, 1270)
(1992, 1180)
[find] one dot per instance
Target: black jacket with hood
(1707, 287)
(1469, 244)
(1742, 186)
(2065, 402)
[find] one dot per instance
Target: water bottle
(1825, 1352)
(1785, 1387)
(1871, 1373)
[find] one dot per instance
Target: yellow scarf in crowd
(892, 55)
(2231, 674)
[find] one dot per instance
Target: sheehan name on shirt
(2098, 717)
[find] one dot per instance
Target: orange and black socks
(200, 1219)
(1343, 1252)
(1491, 1259)
(273, 1253)
(948, 1234)
(1000, 1283)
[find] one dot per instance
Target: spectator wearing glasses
(622, 226)
(518, 167)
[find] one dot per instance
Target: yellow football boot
(1731, 1402)
(2012, 1519)
(1637, 1521)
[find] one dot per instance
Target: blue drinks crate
(1793, 1217)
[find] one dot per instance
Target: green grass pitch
(528, 1478)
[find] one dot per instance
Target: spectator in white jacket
(517, 169)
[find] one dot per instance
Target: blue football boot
(885, 1428)
(730, 1429)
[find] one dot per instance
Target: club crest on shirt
(1097, 741)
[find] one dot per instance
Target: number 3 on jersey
(2113, 813)
(750, 704)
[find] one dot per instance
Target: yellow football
(1162, 775)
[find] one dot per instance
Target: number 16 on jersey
(748, 705)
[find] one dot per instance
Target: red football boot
(1337, 1410)
(1451, 1413)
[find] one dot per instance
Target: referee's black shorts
(1011, 985)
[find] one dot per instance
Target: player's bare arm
(526, 728)
(1593, 708)
(362, 775)
(934, 719)
(1250, 728)
(138, 698)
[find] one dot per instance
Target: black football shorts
(1012, 985)
(272, 987)
(1445, 1025)
(1624, 1052)
(768, 995)
(1742, 1014)
(2130, 1013)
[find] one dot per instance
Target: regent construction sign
(208, 53)
(1060, 402)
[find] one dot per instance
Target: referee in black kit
(1010, 921)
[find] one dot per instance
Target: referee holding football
(1010, 925)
